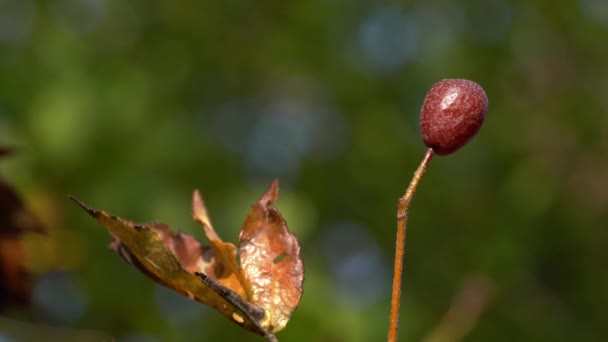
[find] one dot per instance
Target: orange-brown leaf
(5, 151)
(153, 249)
(15, 220)
(259, 295)
(270, 260)
(225, 266)
(192, 256)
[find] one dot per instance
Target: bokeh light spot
(356, 263)
(57, 295)
(78, 17)
(175, 308)
(595, 9)
(17, 18)
(388, 39)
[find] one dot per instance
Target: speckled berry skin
(452, 113)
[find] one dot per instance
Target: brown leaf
(14, 280)
(15, 219)
(260, 295)
(153, 249)
(5, 151)
(193, 257)
(226, 268)
(270, 260)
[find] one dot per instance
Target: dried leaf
(191, 255)
(260, 295)
(145, 246)
(15, 219)
(270, 259)
(226, 268)
(5, 151)
(14, 280)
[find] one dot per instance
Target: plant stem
(270, 337)
(402, 213)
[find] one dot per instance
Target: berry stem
(402, 213)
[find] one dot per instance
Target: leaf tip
(275, 185)
(199, 211)
(94, 213)
(77, 201)
(272, 195)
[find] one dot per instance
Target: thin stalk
(270, 337)
(402, 213)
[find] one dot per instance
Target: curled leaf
(226, 268)
(191, 255)
(270, 259)
(259, 295)
(146, 247)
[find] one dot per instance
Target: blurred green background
(130, 105)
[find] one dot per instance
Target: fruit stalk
(402, 214)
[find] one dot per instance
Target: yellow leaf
(226, 268)
(143, 246)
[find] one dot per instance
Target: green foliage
(132, 104)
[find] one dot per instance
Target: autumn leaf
(270, 258)
(15, 220)
(154, 250)
(259, 295)
(225, 268)
(5, 151)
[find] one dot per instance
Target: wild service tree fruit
(452, 113)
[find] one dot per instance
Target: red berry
(452, 113)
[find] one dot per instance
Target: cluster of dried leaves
(259, 293)
(15, 220)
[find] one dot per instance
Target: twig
(402, 213)
(251, 311)
(270, 337)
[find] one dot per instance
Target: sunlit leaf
(259, 295)
(270, 259)
(191, 255)
(226, 268)
(151, 248)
